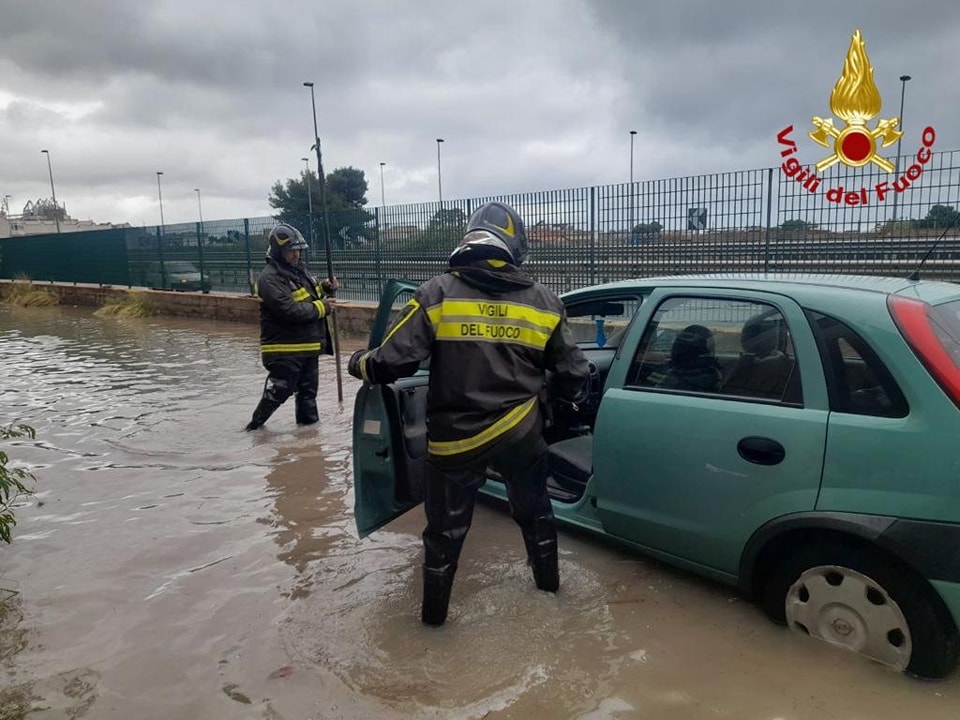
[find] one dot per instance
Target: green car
(797, 437)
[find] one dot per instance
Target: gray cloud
(528, 95)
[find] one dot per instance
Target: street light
(199, 209)
(903, 89)
(439, 180)
(326, 232)
(306, 162)
(382, 201)
(56, 208)
(160, 196)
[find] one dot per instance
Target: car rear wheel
(860, 600)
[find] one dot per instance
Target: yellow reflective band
(321, 308)
(507, 422)
(410, 309)
(496, 263)
(300, 347)
(363, 367)
(300, 294)
(499, 311)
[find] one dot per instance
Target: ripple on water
(362, 622)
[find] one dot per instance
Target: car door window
(601, 321)
(858, 382)
(739, 349)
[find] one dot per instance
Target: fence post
(766, 245)
(203, 284)
(246, 244)
(163, 269)
(376, 248)
(593, 236)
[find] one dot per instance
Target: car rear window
(857, 380)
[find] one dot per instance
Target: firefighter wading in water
(491, 333)
(293, 328)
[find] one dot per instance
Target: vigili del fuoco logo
(855, 100)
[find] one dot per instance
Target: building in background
(39, 217)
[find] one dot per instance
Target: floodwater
(172, 565)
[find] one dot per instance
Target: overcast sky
(528, 94)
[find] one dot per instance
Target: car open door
(389, 433)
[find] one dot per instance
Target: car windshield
(181, 267)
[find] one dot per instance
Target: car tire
(867, 602)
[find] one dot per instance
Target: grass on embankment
(132, 304)
(25, 294)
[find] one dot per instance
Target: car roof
(798, 285)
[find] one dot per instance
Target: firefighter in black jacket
(293, 328)
(491, 333)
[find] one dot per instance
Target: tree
(346, 190)
(797, 224)
(939, 216)
(646, 231)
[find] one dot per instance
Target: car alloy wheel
(846, 608)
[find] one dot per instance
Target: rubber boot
(265, 408)
(546, 569)
(437, 585)
(541, 543)
(306, 410)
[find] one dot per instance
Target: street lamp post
(383, 202)
(199, 208)
(326, 232)
(306, 162)
(903, 89)
(439, 179)
(56, 208)
(160, 197)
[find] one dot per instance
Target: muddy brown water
(172, 565)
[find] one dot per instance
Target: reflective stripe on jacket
(490, 335)
(292, 314)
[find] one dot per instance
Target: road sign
(697, 219)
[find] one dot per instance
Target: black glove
(353, 365)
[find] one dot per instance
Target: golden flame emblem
(855, 100)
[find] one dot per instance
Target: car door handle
(761, 450)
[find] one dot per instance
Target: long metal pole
(326, 222)
(56, 208)
(313, 235)
(160, 197)
(439, 178)
(896, 172)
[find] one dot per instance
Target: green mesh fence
(744, 221)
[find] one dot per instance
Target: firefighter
(492, 334)
(293, 327)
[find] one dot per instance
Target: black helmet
(497, 224)
(285, 237)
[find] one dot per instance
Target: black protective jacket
(292, 312)
(491, 335)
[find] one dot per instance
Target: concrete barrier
(353, 318)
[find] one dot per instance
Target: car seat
(762, 370)
(693, 365)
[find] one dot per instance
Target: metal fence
(853, 221)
